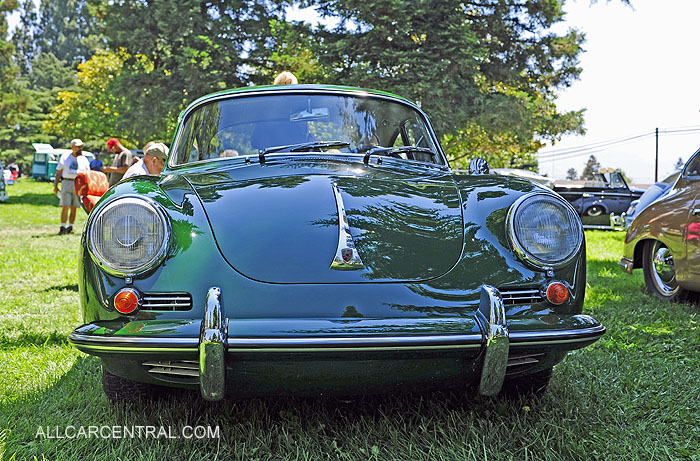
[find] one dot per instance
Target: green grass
(632, 395)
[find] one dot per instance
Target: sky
(641, 71)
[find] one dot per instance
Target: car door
(690, 183)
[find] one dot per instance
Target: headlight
(129, 235)
(544, 230)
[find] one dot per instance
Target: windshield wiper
(396, 150)
(301, 147)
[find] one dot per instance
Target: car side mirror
(479, 166)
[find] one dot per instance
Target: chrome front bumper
(213, 343)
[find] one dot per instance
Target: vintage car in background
(46, 159)
(313, 239)
(596, 200)
(664, 239)
(654, 192)
(526, 174)
(3, 185)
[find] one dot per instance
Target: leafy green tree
(68, 29)
(90, 110)
(591, 169)
(571, 174)
(192, 49)
(13, 101)
(486, 71)
(23, 37)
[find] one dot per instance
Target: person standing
(96, 163)
(122, 161)
(68, 167)
(154, 156)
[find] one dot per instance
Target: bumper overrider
(213, 343)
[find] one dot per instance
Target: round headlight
(544, 230)
(129, 235)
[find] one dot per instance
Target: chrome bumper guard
(627, 265)
(497, 341)
(212, 348)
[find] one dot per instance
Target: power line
(571, 152)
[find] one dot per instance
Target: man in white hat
(154, 156)
(66, 170)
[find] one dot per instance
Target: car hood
(279, 222)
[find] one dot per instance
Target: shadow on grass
(32, 199)
(34, 339)
(73, 287)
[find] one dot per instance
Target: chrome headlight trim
(520, 250)
(160, 253)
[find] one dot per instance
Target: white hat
(76, 142)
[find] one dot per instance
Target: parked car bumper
(223, 356)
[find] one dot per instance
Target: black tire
(660, 273)
(595, 210)
(120, 390)
(527, 385)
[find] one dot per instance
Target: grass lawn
(632, 395)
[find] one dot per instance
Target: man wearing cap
(122, 161)
(68, 167)
(154, 156)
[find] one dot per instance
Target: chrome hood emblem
(346, 255)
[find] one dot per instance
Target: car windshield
(329, 123)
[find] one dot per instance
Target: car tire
(660, 274)
(595, 210)
(120, 390)
(527, 385)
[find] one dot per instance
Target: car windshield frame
(182, 155)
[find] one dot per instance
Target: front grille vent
(166, 302)
(521, 296)
(177, 369)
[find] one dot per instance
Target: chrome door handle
(696, 211)
(587, 196)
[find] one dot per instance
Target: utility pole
(656, 169)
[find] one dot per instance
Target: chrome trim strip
(361, 342)
(145, 342)
(346, 255)
(523, 254)
(493, 314)
(556, 336)
(212, 348)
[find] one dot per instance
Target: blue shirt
(96, 164)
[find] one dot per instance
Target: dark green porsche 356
(313, 239)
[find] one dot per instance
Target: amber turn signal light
(557, 293)
(126, 301)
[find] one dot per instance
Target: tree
(486, 71)
(203, 47)
(13, 100)
(90, 111)
(67, 28)
(679, 164)
(591, 169)
(571, 174)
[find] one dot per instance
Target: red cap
(112, 142)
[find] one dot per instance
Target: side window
(693, 167)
